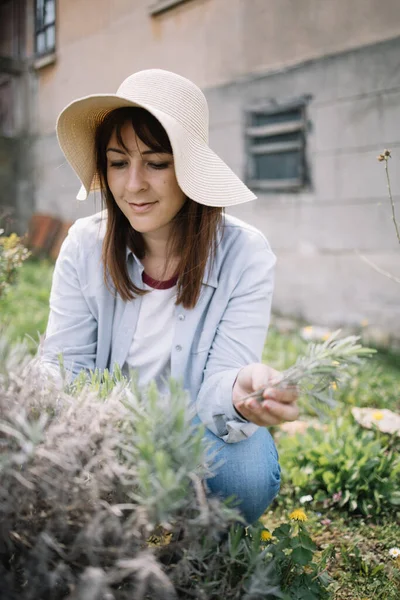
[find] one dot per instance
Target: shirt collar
(209, 278)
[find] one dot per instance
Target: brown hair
(195, 227)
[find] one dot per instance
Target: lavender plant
(103, 496)
(321, 367)
(103, 490)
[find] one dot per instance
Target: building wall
(100, 42)
(16, 173)
(354, 113)
(247, 51)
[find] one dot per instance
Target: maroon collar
(159, 285)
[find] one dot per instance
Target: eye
(159, 166)
(117, 164)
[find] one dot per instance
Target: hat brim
(201, 174)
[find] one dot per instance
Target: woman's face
(143, 183)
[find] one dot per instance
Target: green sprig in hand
(317, 372)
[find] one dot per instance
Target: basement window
(160, 6)
(45, 27)
(276, 144)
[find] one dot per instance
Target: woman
(162, 281)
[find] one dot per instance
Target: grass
(360, 565)
(24, 309)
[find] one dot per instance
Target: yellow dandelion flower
(377, 415)
(326, 336)
(266, 535)
(333, 385)
(10, 242)
(298, 515)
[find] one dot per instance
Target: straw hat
(181, 108)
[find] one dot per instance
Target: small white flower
(305, 499)
(394, 552)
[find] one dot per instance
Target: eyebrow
(122, 151)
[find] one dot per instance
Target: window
(45, 27)
(6, 106)
(276, 147)
(160, 6)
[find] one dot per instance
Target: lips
(142, 207)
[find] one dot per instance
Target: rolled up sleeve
(72, 328)
(239, 341)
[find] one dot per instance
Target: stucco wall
(354, 113)
(100, 42)
(246, 51)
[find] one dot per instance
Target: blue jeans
(249, 471)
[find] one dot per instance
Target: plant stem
(391, 200)
(378, 269)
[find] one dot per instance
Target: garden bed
(350, 517)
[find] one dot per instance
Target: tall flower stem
(391, 198)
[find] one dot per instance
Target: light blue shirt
(226, 330)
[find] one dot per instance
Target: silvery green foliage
(13, 358)
(91, 475)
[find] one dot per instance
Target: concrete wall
(100, 42)
(354, 113)
(248, 51)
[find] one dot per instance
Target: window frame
(161, 6)
(38, 30)
(275, 129)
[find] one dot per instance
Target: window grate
(276, 144)
(45, 27)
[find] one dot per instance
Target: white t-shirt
(150, 351)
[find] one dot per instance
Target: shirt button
(181, 317)
(178, 348)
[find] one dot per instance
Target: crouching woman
(162, 281)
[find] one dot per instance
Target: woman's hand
(277, 405)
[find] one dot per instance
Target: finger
(262, 415)
(263, 376)
(259, 416)
(280, 411)
(251, 410)
(285, 395)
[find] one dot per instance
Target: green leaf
(325, 578)
(301, 556)
(328, 477)
(346, 497)
(306, 542)
(282, 531)
(395, 498)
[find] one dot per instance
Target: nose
(136, 180)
